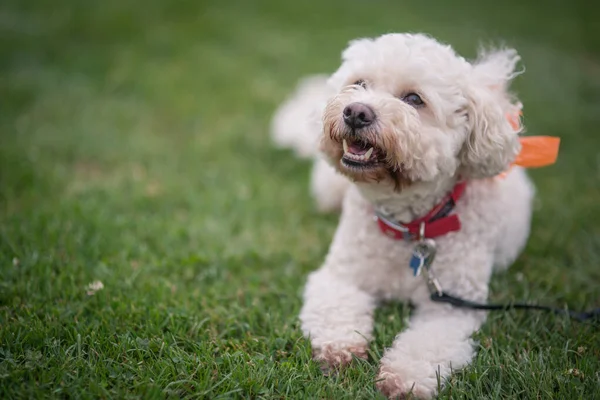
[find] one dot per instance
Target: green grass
(134, 150)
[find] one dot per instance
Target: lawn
(134, 151)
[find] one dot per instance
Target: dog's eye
(413, 99)
(361, 83)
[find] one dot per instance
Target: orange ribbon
(536, 151)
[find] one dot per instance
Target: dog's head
(409, 109)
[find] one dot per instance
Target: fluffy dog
(411, 135)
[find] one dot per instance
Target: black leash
(441, 297)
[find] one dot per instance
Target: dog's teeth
(345, 144)
(368, 153)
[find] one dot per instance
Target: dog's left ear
(492, 142)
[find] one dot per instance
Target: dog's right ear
(358, 50)
(492, 143)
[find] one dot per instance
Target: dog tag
(422, 256)
(416, 263)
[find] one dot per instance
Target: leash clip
(429, 249)
(432, 283)
(422, 259)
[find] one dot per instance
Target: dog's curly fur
(420, 153)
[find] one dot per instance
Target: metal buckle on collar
(406, 235)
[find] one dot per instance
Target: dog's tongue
(357, 148)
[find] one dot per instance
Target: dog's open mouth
(359, 154)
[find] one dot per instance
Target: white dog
(412, 138)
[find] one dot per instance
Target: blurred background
(134, 151)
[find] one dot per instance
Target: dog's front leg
(338, 318)
(438, 338)
(437, 341)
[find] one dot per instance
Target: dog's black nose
(358, 115)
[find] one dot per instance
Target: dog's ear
(357, 50)
(492, 142)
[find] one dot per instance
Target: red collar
(436, 223)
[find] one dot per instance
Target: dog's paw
(332, 356)
(392, 386)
